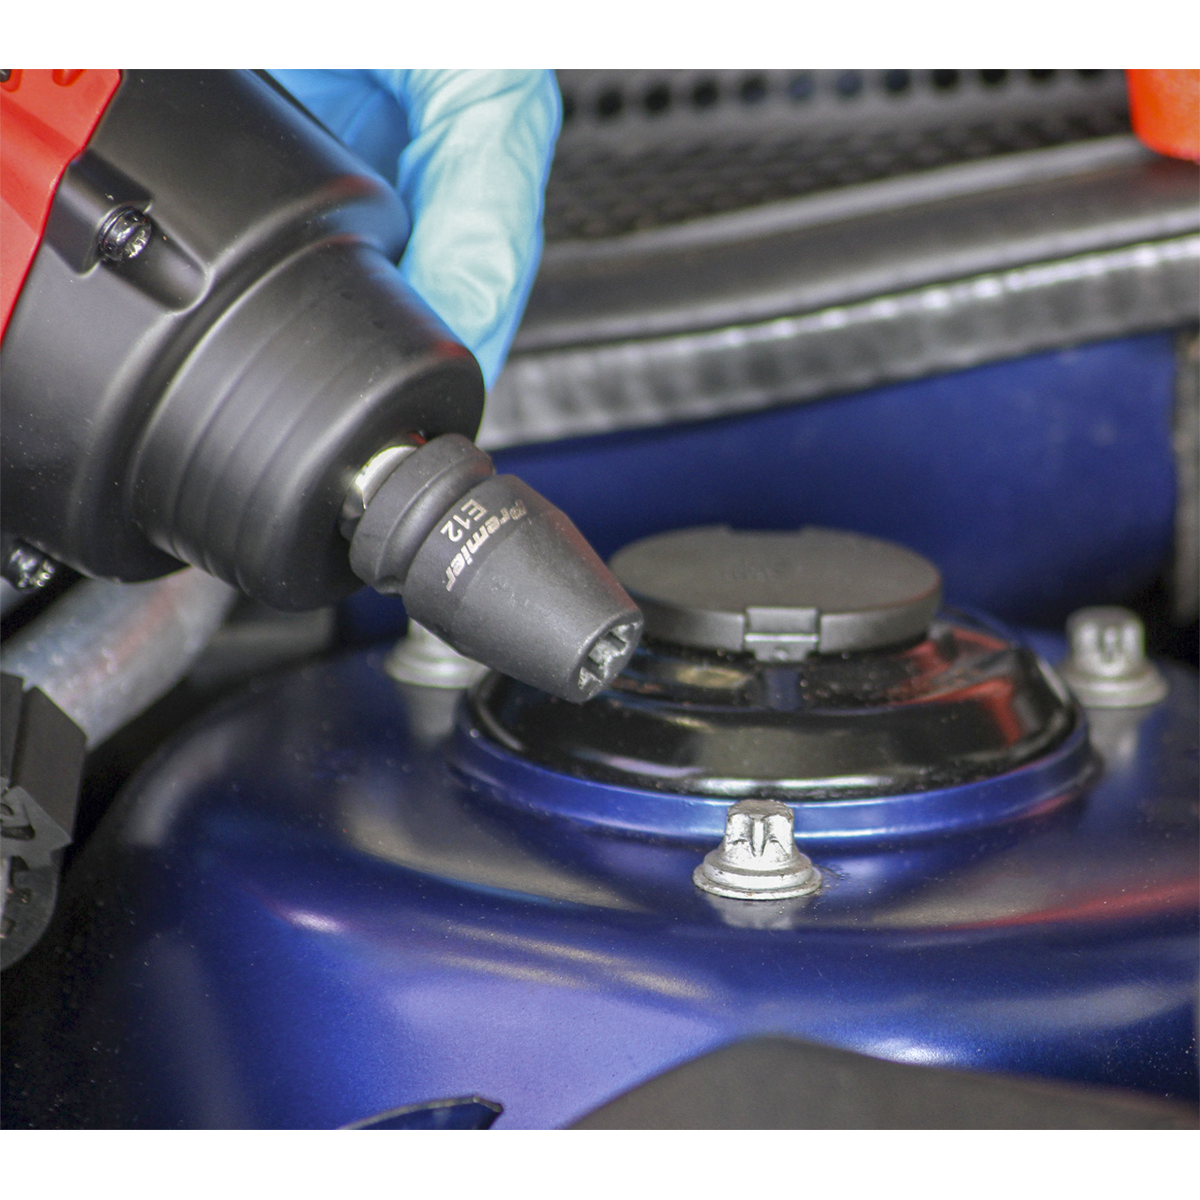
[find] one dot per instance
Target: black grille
(641, 149)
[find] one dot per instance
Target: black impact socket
(495, 570)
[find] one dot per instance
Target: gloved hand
(469, 152)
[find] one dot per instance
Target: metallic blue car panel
(1037, 485)
(302, 916)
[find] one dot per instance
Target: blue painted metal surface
(1037, 485)
(302, 916)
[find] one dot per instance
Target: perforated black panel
(642, 149)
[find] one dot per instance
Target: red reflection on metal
(995, 696)
(1169, 897)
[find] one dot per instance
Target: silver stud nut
(1107, 666)
(423, 659)
(758, 858)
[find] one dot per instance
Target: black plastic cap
(779, 595)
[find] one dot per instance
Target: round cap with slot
(779, 595)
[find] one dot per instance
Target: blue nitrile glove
(469, 152)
